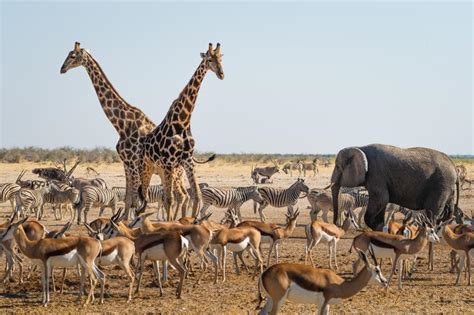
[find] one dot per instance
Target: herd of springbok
(192, 243)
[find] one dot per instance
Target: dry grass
(426, 292)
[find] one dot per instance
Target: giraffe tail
(209, 159)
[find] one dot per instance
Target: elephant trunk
(335, 200)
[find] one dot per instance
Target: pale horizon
(305, 78)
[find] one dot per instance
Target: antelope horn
(69, 173)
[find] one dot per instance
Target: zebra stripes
(31, 200)
(228, 198)
(280, 197)
(60, 195)
(8, 192)
(155, 193)
(95, 196)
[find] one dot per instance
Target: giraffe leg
(141, 176)
(196, 192)
(168, 186)
(128, 190)
(181, 197)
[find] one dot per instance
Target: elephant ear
(355, 167)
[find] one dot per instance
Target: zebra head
(301, 185)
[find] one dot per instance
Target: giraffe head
(74, 58)
(213, 57)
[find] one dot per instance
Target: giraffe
(171, 143)
(129, 122)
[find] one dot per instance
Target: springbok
(319, 231)
(272, 233)
(198, 236)
(236, 240)
(304, 284)
(62, 252)
(117, 251)
(396, 247)
(463, 244)
(162, 246)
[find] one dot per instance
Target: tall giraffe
(171, 144)
(129, 122)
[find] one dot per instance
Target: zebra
(32, 200)
(280, 197)
(313, 166)
(95, 196)
(155, 194)
(80, 183)
(361, 200)
(320, 199)
(8, 192)
(60, 195)
(232, 198)
(290, 166)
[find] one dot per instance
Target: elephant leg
(375, 214)
(436, 202)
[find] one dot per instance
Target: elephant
(415, 178)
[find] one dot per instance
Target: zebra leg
(260, 211)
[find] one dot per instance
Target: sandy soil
(426, 292)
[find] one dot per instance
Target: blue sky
(299, 78)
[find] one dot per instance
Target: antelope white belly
(185, 243)
(156, 252)
(238, 247)
(67, 260)
(382, 252)
(297, 294)
(326, 238)
(109, 259)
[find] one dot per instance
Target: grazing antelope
(267, 172)
(396, 247)
(198, 236)
(62, 252)
(162, 246)
(463, 244)
(117, 251)
(236, 240)
(272, 233)
(319, 231)
(303, 284)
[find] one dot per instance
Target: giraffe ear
(203, 55)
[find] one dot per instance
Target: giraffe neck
(114, 106)
(182, 108)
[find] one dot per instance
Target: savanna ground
(427, 291)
